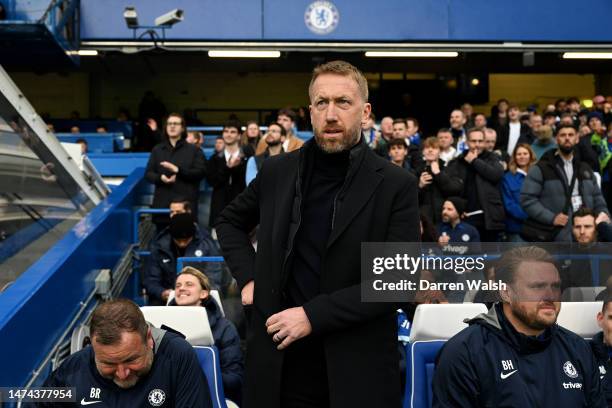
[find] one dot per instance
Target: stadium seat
(580, 317)
(442, 321)
(432, 326)
(192, 322)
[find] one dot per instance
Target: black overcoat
(377, 203)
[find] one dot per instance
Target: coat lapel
(359, 192)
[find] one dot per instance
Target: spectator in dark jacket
(250, 138)
(490, 141)
(515, 355)
(434, 183)
(274, 137)
(398, 153)
(182, 238)
(601, 344)
(457, 128)
(175, 167)
(192, 288)
(513, 132)
(587, 232)
(451, 229)
(522, 160)
(478, 173)
(544, 192)
(226, 171)
(588, 229)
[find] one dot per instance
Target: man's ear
(600, 318)
(367, 109)
(504, 294)
(150, 343)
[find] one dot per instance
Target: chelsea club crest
(321, 17)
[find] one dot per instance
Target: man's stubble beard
(348, 141)
(139, 375)
(531, 321)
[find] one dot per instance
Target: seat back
(442, 321)
(215, 295)
(208, 357)
(191, 321)
(431, 327)
(422, 357)
(580, 317)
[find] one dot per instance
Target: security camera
(170, 18)
(130, 16)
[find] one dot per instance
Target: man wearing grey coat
(545, 189)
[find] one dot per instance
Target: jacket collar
(496, 321)
(179, 143)
(164, 240)
(363, 166)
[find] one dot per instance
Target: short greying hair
(342, 68)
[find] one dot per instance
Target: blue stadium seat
(431, 327)
(208, 356)
(422, 357)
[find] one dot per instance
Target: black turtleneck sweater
(322, 182)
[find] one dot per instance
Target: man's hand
(602, 217)
(560, 220)
(443, 239)
(169, 166)
(435, 167)
(288, 326)
(234, 161)
(168, 180)
(425, 179)
(165, 294)
(247, 293)
(152, 124)
(471, 156)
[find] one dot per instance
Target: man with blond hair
(308, 327)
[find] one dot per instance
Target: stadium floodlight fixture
(411, 54)
(83, 53)
(244, 54)
(170, 18)
(131, 16)
(587, 55)
(88, 53)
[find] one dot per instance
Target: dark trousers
(304, 379)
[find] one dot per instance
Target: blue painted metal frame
(36, 308)
(139, 213)
(90, 125)
(181, 261)
(118, 164)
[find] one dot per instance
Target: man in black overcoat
(312, 341)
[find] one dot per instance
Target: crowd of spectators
(513, 169)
